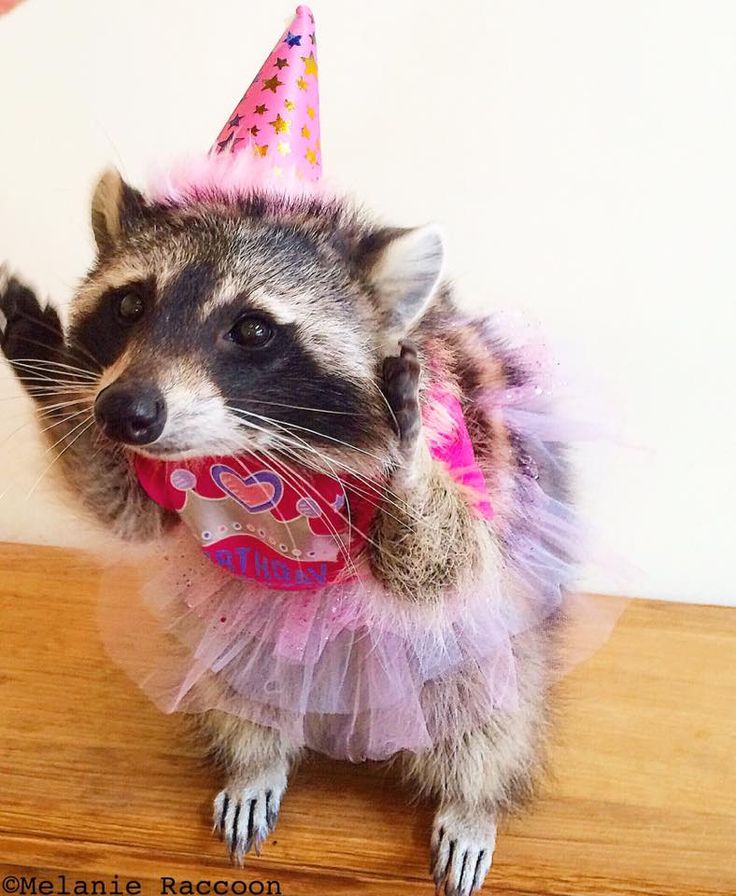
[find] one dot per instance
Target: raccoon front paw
(27, 331)
(244, 815)
(463, 841)
(401, 388)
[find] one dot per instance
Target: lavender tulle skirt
(349, 670)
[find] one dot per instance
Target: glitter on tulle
(349, 670)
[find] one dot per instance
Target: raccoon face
(254, 324)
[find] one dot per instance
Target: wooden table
(94, 781)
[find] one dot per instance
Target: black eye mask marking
(286, 384)
(283, 380)
(100, 332)
(170, 320)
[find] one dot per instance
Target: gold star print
(310, 111)
(302, 84)
(290, 104)
(254, 130)
(311, 156)
(272, 84)
(280, 125)
(281, 63)
(259, 110)
(260, 150)
(284, 148)
(310, 65)
(305, 132)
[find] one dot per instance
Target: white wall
(580, 154)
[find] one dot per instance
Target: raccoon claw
(26, 329)
(462, 851)
(244, 816)
(401, 388)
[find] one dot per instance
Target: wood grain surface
(95, 782)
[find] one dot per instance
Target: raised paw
(463, 841)
(27, 331)
(401, 388)
(244, 815)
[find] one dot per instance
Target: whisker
(51, 447)
(291, 537)
(61, 366)
(301, 460)
(40, 382)
(394, 499)
(289, 474)
(333, 531)
(55, 346)
(385, 400)
(313, 432)
(14, 433)
(63, 404)
(294, 407)
(36, 393)
(366, 537)
(62, 452)
(342, 546)
(67, 419)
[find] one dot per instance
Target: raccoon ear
(115, 206)
(405, 270)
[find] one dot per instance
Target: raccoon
(304, 314)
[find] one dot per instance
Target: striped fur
(308, 263)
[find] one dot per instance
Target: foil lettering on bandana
(281, 529)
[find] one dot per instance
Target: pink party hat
(277, 121)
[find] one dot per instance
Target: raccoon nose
(129, 413)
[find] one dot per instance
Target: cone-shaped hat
(278, 118)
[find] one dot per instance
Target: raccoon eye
(130, 307)
(252, 332)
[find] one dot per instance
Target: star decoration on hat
(290, 75)
(223, 144)
(272, 84)
(310, 64)
(280, 125)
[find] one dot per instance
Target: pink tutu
(348, 670)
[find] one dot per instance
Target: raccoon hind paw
(244, 815)
(463, 841)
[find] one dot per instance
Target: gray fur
(348, 292)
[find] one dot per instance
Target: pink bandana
(294, 529)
